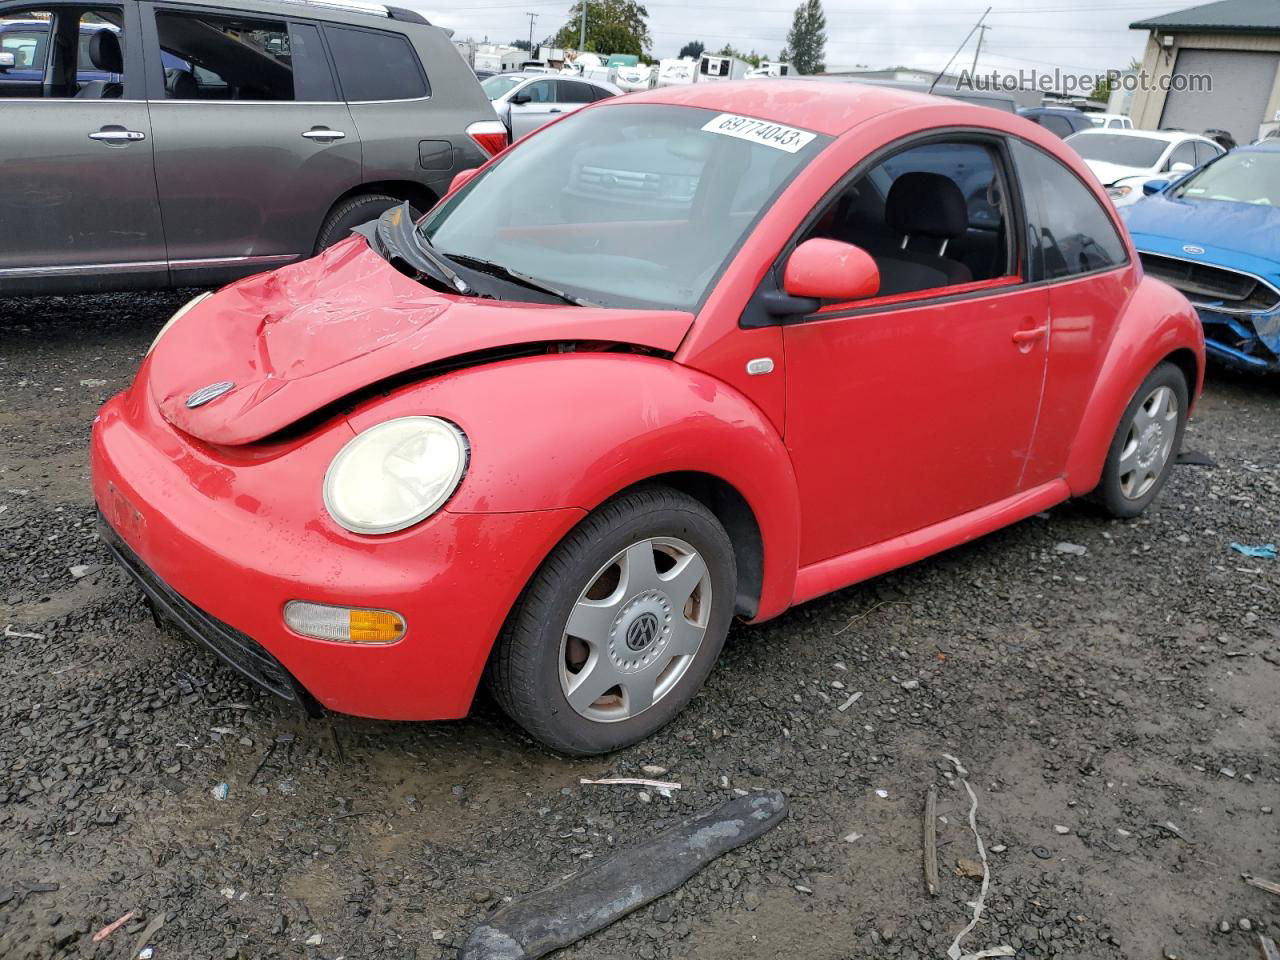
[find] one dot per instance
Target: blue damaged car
(1215, 235)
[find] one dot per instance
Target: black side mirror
(519, 99)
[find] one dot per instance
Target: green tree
(807, 39)
(613, 26)
(521, 45)
(692, 49)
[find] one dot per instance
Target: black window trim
(980, 135)
(327, 25)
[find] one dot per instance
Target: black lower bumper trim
(238, 649)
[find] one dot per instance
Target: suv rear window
(373, 65)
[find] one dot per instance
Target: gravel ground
(1091, 696)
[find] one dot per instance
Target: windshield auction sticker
(775, 135)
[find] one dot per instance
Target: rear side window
(1059, 125)
(571, 91)
(312, 78)
(1070, 232)
(373, 65)
(224, 58)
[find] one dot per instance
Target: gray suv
(220, 138)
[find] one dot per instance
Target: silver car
(205, 141)
(527, 101)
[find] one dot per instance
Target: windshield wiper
(399, 238)
(523, 279)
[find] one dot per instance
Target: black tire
(524, 672)
(1110, 494)
(351, 213)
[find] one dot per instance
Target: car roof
(540, 75)
(825, 106)
(1168, 136)
(1271, 145)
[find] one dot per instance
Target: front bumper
(221, 540)
(1250, 342)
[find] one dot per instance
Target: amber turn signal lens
(343, 624)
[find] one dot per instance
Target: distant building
(1215, 66)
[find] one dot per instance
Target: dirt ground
(1116, 711)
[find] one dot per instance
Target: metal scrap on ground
(953, 951)
(563, 913)
(1261, 884)
(662, 786)
(931, 840)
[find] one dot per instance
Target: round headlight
(179, 314)
(395, 474)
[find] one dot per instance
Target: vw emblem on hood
(205, 394)
(1192, 248)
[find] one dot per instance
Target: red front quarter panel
(571, 430)
(241, 532)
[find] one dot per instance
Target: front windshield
(634, 205)
(498, 84)
(1122, 150)
(1243, 176)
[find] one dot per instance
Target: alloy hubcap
(1148, 443)
(635, 629)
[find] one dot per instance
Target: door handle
(1027, 336)
(555, 110)
(323, 134)
(117, 135)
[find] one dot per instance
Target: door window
(375, 65)
(27, 43)
(544, 91)
(1205, 152)
(1185, 152)
(224, 58)
(932, 216)
(1055, 124)
(1070, 231)
(571, 91)
(312, 78)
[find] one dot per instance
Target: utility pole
(582, 32)
(532, 17)
(982, 32)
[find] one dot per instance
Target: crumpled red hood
(311, 333)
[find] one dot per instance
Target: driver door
(540, 108)
(909, 409)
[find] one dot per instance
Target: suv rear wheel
(351, 213)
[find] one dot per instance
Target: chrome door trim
(132, 266)
(139, 266)
(233, 261)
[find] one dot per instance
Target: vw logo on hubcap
(642, 632)
(205, 394)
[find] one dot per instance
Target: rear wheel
(351, 213)
(1145, 444)
(620, 626)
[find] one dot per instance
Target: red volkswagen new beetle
(684, 355)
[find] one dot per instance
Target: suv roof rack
(355, 6)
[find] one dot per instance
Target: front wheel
(1145, 444)
(620, 626)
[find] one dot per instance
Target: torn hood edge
(299, 339)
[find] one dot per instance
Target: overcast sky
(1087, 36)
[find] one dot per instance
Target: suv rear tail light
(491, 135)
